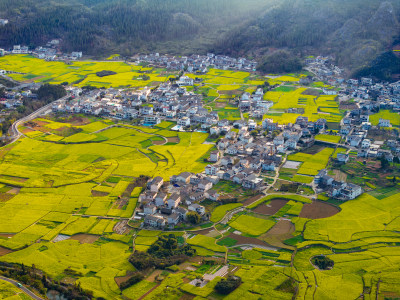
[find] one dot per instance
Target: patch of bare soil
(68, 280)
(230, 92)
(213, 234)
(153, 276)
(272, 208)
(282, 227)
(37, 123)
(220, 104)
(4, 197)
(314, 149)
(4, 251)
(318, 210)
(252, 199)
(7, 235)
(26, 130)
(85, 238)
(14, 191)
(62, 129)
(174, 139)
(163, 142)
(13, 178)
(186, 280)
(279, 233)
(203, 231)
(311, 92)
(187, 296)
(99, 194)
(347, 106)
(339, 175)
(243, 240)
(121, 227)
(33, 79)
(119, 280)
(78, 120)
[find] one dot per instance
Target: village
(247, 149)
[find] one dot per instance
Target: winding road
(22, 288)
(16, 134)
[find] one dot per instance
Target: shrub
(322, 262)
(105, 73)
(226, 286)
(137, 277)
(173, 268)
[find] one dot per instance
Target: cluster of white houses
(197, 63)
(385, 95)
(336, 189)
(51, 51)
(168, 204)
(166, 102)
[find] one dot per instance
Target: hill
(356, 32)
(122, 26)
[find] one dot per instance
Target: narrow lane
(22, 288)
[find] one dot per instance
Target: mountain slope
(124, 26)
(354, 31)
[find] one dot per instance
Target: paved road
(16, 134)
(22, 288)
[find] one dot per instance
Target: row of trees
(30, 276)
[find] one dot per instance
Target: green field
(327, 138)
(205, 242)
(251, 225)
(9, 291)
(386, 114)
(60, 180)
(312, 163)
(220, 211)
(313, 107)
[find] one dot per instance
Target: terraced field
(66, 189)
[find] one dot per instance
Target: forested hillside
(355, 31)
(124, 26)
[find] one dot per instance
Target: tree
(226, 286)
(275, 133)
(254, 133)
(322, 262)
(21, 109)
(136, 277)
(51, 92)
(396, 160)
(193, 217)
(280, 62)
(146, 77)
(163, 253)
(384, 163)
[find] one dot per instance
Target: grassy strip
(220, 211)
(271, 197)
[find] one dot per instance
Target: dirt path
(216, 240)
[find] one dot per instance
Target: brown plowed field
(318, 210)
(272, 208)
